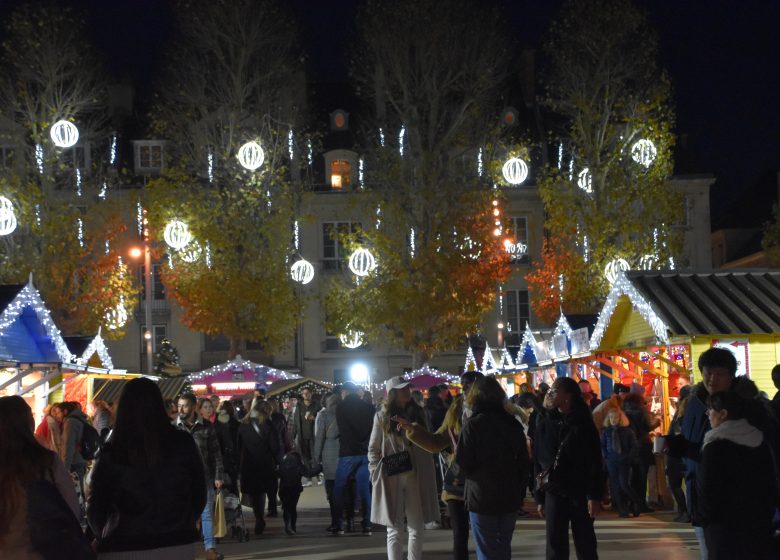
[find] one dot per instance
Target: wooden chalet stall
(655, 325)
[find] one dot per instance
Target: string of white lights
(98, 346)
(238, 363)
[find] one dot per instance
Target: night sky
(722, 56)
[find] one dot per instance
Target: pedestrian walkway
(644, 538)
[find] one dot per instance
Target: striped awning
(110, 390)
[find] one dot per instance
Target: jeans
(559, 511)
(493, 535)
(620, 486)
(409, 507)
(459, 518)
(357, 465)
(703, 553)
(207, 519)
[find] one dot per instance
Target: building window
(149, 157)
(158, 288)
(7, 156)
(159, 333)
(334, 255)
(518, 309)
(339, 173)
(332, 341)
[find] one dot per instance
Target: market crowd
(146, 478)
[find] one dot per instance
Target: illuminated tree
(69, 226)
(434, 76)
(235, 76)
(604, 84)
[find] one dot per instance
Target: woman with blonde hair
(402, 475)
(258, 449)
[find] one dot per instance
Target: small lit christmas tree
(166, 360)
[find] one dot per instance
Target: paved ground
(648, 537)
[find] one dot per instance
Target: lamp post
(135, 252)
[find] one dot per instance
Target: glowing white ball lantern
(251, 156)
(515, 171)
(177, 235)
(116, 317)
(8, 220)
(192, 253)
(362, 262)
(302, 271)
(352, 339)
(64, 134)
(614, 267)
(585, 181)
(648, 262)
(643, 152)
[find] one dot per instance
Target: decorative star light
(362, 262)
(614, 267)
(585, 181)
(352, 339)
(64, 134)
(29, 297)
(302, 271)
(8, 220)
(644, 152)
(251, 156)
(622, 286)
(515, 171)
(177, 235)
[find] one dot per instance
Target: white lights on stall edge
(302, 271)
(585, 181)
(64, 134)
(362, 262)
(97, 346)
(515, 171)
(8, 220)
(644, 152)
(614, 267)
(251, 156)
(177, 235)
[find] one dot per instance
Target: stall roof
(110, 390)
(738, 302)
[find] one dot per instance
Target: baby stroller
(234, 516)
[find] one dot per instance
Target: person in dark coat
(567, 431)
(675, 469)
(226, 427)
(279, 425)
(493, 455)
(258, 449)
(618, 447)
(735, 484)
(641, 423)
(148, 485)
(291, 470)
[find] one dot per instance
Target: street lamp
(135, 252)
(360, 375)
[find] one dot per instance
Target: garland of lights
(29, 297)
(623, 286)
(97, 345)
(241, 364)
(433, 372)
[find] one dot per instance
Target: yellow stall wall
(763, 352)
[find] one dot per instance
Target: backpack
(90, 441)
(54, 531)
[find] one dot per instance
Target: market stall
(236, 377)
(292, 387)
(426, 377)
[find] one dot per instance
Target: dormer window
(149, 156)
(339, 173)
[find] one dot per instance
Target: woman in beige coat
(409, 495)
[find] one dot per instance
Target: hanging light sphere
(648, 262)
(177, 235)
(116, 317)
(251, 156)
(192, 253)
(352, 339)
(302, 271)
(643, 152)
(585, 181)
(64, 134)
(515, 171)
(614, 267)
(362, 262)
(8, 221)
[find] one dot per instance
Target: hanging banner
(739, 347)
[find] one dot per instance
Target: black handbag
(549, 480)
(397, 463)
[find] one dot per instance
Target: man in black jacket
(355, 420)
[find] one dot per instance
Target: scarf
(739, 431)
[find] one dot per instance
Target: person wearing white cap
(403, 477)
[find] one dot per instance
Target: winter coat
(579, 472)
(143, 508)
(326, 438)
(493, 455)
(355, 418)
(302, 428)
(279, 424)
(615, 402)
(385, 504)
(436, 411)
(628, 445)
(258, 449)
(72, 434)
(292, 469)
(205, 436)
(735, 491)
(226, 428)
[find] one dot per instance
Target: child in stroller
(291, 470)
